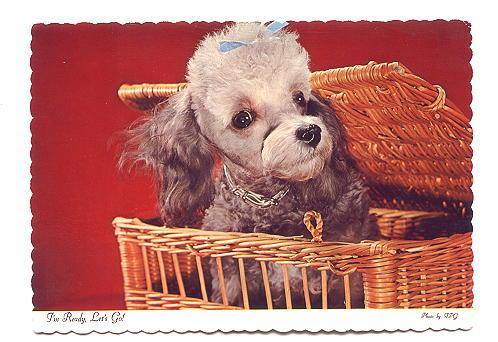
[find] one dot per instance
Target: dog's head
(252, 105)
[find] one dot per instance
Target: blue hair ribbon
(226, 46)
(276, 26)
(272, 28)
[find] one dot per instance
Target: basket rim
(363, 248)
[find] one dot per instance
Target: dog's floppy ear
(340, 159)
(170, 143)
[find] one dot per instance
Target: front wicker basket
(411, 144)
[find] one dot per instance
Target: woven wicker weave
(411, 143)
(396, 273)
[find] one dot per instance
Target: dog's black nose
(310, 134)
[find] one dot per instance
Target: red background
(77, 69)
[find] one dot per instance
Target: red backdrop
(77, 70)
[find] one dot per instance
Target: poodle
(249, 104)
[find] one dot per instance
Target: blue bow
(273, 28)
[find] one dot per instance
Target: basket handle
(316, 231)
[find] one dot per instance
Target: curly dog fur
(184, 137)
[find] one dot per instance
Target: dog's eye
(299, 99)
(242, 119)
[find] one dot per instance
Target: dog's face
(255, 105)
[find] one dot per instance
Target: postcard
(243, 176)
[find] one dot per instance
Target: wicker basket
(411, 144)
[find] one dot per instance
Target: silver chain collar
(251, 197)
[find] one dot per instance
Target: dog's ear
(170, 143)
(340, 159)
(341, 182)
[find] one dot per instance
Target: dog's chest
(230, 213)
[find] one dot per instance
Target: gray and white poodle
(282, 148)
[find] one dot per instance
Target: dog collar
(251, 197)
